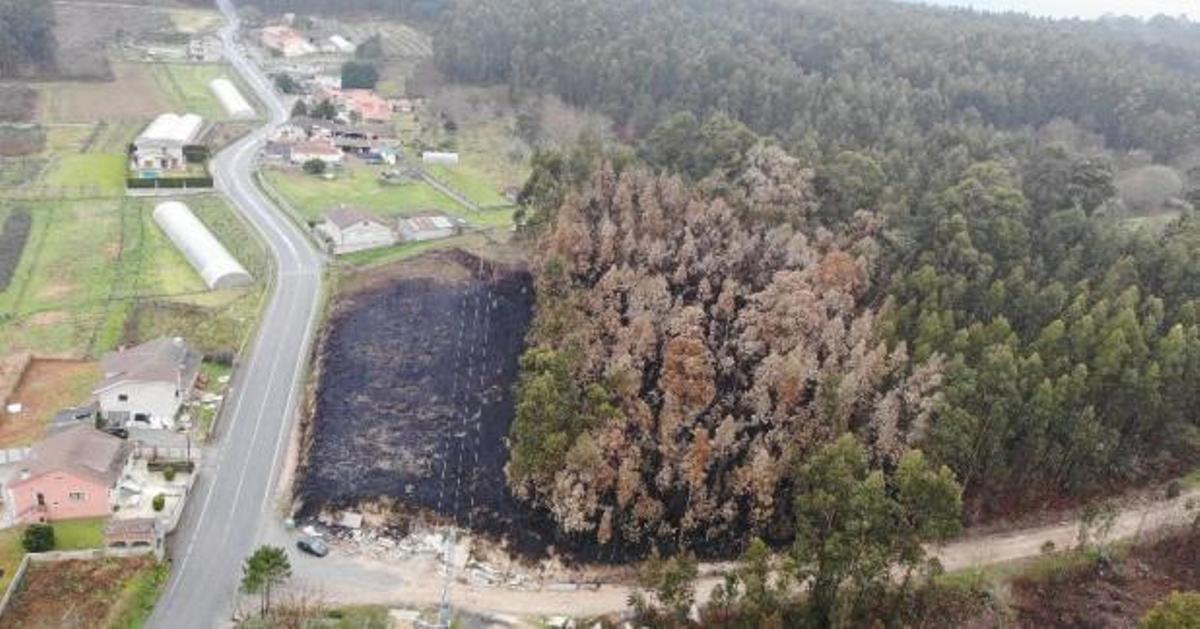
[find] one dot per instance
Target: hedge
(12, 242)
(170, 182)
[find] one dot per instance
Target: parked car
(313, 545)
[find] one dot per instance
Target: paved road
(232, 496)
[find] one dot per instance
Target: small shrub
(160, 501)
(314, 167)
(1174, 489)
(169, 474)
(38, 538)
(1048, 547)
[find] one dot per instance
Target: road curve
(232, 493)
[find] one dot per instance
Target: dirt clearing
(1114, 593)
(73, 594)
(46, 387)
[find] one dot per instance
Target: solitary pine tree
(265, 570)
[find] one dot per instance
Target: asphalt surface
(232, 497)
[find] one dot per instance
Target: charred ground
(415, 397)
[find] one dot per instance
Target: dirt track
(417, 582)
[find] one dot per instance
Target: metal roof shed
(209, 257)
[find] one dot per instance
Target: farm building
(231, 99)
(160, 146)
(71, 474)
(436, 157)
(420, 228)
(348, 230)
(208, 256)
(341, 44)
(146, 385)
(324, 151)
(286, 41)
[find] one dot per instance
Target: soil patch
(74, 593)
(13, 235)
(18, 102)
(1113, 593)
(46, 387)
(415, 397)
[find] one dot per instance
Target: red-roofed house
(368, 105)
(286, 41)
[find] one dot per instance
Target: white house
(348, 230)
(160, 146)
(324, 151)
(146, 385)
(420, 228)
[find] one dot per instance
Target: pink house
(71, 474)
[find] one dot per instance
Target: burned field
(415, 398)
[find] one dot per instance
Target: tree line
(26, 37)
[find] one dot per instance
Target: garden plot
(76, 593)
(415, 397)
(46, 387)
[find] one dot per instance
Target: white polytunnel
(231, 99)
(210, 258)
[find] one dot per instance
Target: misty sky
(1083, 8)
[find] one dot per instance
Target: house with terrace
(145, 386)
(160, 147)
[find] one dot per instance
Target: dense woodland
(26, 37)
(823, 217)
(887, 220)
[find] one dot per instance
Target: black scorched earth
(416, 397)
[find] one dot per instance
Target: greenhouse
(209, 257)
(231, 99)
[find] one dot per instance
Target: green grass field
(470, 183)
(187, 87)
(91, 265)
(98, 174)
(357, 186)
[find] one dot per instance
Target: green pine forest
(815, 218)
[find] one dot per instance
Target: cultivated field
(138, 93)
(133, 94)
(47, 386)
(79, 593)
